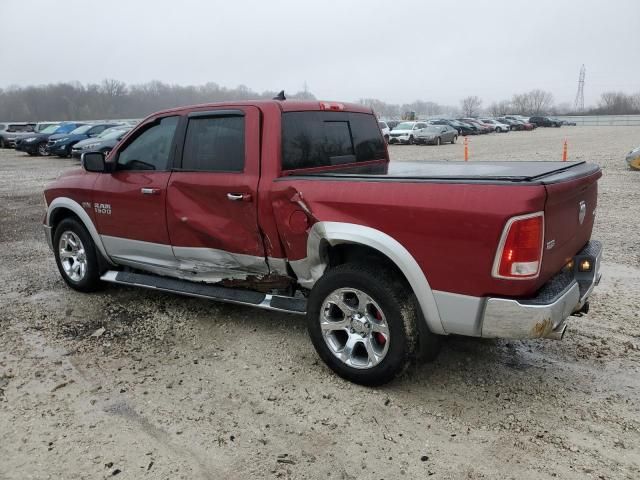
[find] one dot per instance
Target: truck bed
(532, 173)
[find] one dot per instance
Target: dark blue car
(61, 144)
(36, 144)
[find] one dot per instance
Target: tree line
(112, 99)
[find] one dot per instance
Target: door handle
(150, 191)
(239, 197)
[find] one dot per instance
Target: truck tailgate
(569, 215)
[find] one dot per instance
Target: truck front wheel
(362, 322)
(76, 256)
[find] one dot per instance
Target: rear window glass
(319, 139)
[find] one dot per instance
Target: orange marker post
(466, 149)
(564, 151)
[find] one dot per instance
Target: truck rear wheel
(362, 323)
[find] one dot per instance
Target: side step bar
(211, 292)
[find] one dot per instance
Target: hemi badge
(551, 244)
(86, 204)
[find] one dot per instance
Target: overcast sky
(344, 50)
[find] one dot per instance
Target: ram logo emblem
(583, 212)
(102, 208)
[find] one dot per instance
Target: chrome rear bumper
(545, 315)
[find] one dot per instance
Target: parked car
(513, 125)
(384, 128)
(211, 201)
(436, 135)
(568, 123)
(633, 158)
(36, 144)
(475, 129)
(405, 132)
(522, 125)
(102, 143)
(10, 132)
(545, 122)
(497, 126)
(60, 144)
(482, 128)
(461, 128)
(40, 126)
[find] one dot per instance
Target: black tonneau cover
(462, 172)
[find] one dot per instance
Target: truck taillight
(519, 254)
(331, 106)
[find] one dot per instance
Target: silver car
(10, 132)
(633, 158)
(436, 135)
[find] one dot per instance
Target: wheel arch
(64, 207)
(330, 238)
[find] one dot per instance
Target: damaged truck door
(211, 196)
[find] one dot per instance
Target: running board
(211, 292)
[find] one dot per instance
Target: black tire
(412, 141)
(90, 282)
(2, 145)
(398, 309)
(454, 139)
(42, 150)
(438, 142)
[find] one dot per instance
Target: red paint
(199, 212)
(451, 230)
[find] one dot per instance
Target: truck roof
(284, 105)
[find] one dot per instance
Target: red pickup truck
(295, 206)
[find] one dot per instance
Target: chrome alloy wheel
(354, 328)
(72, 256)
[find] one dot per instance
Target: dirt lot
(185, 388)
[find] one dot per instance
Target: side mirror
(93, 162)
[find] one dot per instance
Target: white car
(384, 128)
(405, 132)
(498, 126)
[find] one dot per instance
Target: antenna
(280, 96)
(578, 105)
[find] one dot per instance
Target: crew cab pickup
(295, 206)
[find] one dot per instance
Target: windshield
(51, 128)
(81, 130)
(66, 128)
(112, 133)
(404, 126)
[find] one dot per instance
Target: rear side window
(319, 139)
(214, 144)
(150, 149)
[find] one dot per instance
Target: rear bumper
(545, 315)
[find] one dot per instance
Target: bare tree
(535, 102)
(541, 101)
(618, 103)
(471, 106)
(498, 109)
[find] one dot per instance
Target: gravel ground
(190, 389)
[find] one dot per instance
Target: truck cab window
(318, 139)
(214, 144)
(151, 149)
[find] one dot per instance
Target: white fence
(603, 120)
